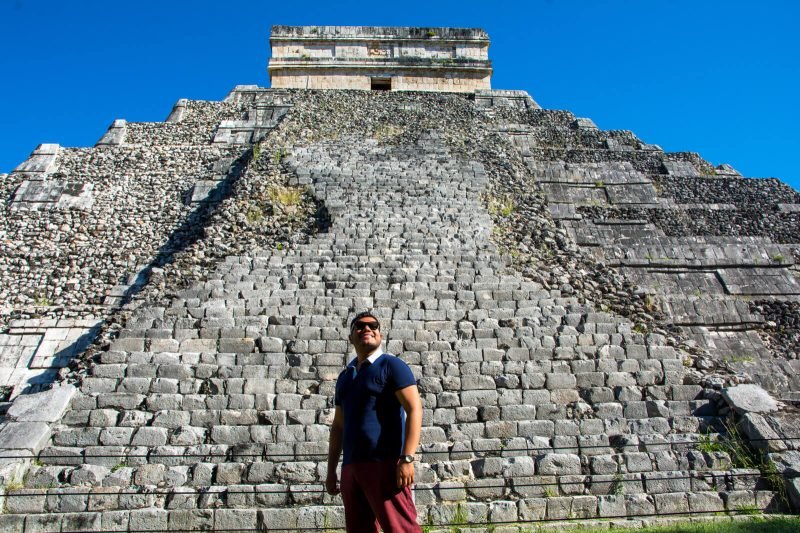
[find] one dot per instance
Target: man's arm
(409, 399)
(334, 451)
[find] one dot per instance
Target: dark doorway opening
(381, 84)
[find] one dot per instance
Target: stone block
(559, 464)
(12, 523)
(47, 406)
(191, 519)
(28, 436)
(25, 501)
(749, 399)
(81, 522)
(148, 520)
(115, 520)
(235, 519)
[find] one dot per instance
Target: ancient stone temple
(600, 330)
(380, 58)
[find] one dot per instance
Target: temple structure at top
(380, 58)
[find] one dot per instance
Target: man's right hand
(332, 484)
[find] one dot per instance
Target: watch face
(408, 458)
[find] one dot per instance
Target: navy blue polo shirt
(374, 420)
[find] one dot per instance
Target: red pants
(371, 498)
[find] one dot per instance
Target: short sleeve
(400, 375)
(337, 395)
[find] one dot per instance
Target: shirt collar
(371, 358)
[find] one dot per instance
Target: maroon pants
(371, 498)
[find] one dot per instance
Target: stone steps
(535, 405)
(281, 507)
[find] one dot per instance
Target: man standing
(377, 423)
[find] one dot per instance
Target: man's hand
(405, 474)
(332, 484)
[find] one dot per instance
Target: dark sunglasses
(361, 326)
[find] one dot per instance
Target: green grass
(756, 525)
(286, 197)
(503, 206)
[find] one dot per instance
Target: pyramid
(599, 329)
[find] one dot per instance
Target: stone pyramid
(586, 316)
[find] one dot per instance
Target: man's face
(364, 338)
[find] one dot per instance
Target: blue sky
(718, 78)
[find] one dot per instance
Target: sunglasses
(361, 326)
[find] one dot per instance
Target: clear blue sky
(718, 78)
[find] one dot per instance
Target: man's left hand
(405, 475)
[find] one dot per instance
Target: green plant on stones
(778, 258)
(650, 303)
(287, 198)
(279, 246)
(254, 215)
(256, 152)
(386, 131)
(732, 444)
(117, 466)
(617, 485)
(460, 517)
(278, 155)
(748, 509)
(503, 206)
(14, 485)
(42, 301)
(549, 492)
(599, 183)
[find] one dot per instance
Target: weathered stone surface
(27, 436)
(47, 406)
(749, 399)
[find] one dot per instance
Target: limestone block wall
(330, 57)
(423, 80)
(710, 247)
(81, 228)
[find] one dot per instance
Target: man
(377, 423)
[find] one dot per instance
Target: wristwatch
(406, 458)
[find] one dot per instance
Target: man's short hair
(361, 315)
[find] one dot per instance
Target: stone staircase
(709, 246)
(212, 411)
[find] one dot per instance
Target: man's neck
(364, 356)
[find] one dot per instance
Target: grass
(503, 206)
(286, 197)
(742, 456)
(460, 518)
(650, 304)
(733, 444)
(756, 525)
(42, 301)
(256, 152)
(386, 131)
(14, 485)
(278, 155)
(751, 524)
(254, 215)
